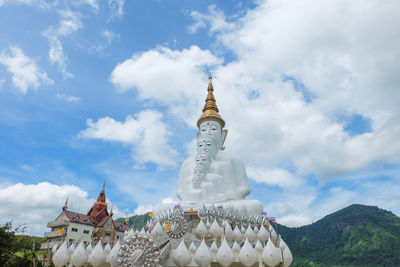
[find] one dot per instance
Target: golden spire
(210, 110)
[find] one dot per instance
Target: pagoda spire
(99, 208)
(65, 207)
(102, 196)
(210, 110)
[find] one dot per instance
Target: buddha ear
(223, 137)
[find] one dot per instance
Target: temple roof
(97, 216)
(102, 196)
(99, 208)
(77, 217)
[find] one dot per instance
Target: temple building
(74, 227)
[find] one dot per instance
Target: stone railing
(53, 234)
(57, 223)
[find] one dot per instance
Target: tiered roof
(97, 216)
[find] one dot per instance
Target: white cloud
(38, 3)
(92, 3)
(143, 186)
(145, 131)
(169, 200)
(214, 18)
(37, 204)
(116, 7)
(339, 58)
(68, 24)
(25, 72)
(295, 206)
(170, 77)
(142, 209)
(109, 36)
(68, 98)
(2, 2)
(276, 176)
(269, 118)
(342, 53)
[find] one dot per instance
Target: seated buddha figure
(214, 176)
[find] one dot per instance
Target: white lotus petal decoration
(79, 257)
(181, 255)
(202, 256)
(113, 256)
(225, 255)
(62, 256)
(271, 254)
(248, 255)
(97, 257)
(201, 230)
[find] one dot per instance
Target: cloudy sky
(111, 90)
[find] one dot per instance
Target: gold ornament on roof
(210, 110)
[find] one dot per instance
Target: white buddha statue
(214, 176)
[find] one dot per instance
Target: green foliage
(13, 251)
(26, 241)
(354, 236)
(136, 221)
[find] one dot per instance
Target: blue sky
(93, 90)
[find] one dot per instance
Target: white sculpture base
(243, 206)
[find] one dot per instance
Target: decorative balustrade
(57, 223)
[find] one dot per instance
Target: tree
(11, 252)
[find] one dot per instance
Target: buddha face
(198, 176)
(207, 145)
(211, 129)
(202, 160)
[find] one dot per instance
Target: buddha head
(210, 122)
(199, 175)
(208, 146)
(211, 129)
(202, 160)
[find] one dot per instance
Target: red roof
(97, 215)
(99, 208)
(102, 197)
(122, 227)
(79, 218)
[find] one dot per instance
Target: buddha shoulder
(189, 163)
(227, 156)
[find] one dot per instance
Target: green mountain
(354, 236)
(358, 235)
(136, 221)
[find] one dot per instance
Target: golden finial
(210, 110)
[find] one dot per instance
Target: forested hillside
(354, 236)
